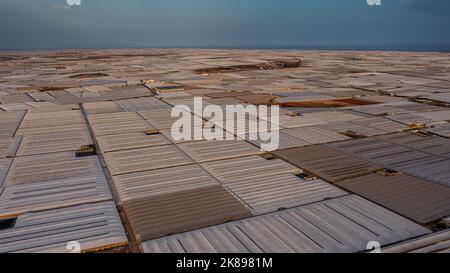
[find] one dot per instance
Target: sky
(395, 24)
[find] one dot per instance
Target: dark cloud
(328, 23)
(433, 7)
